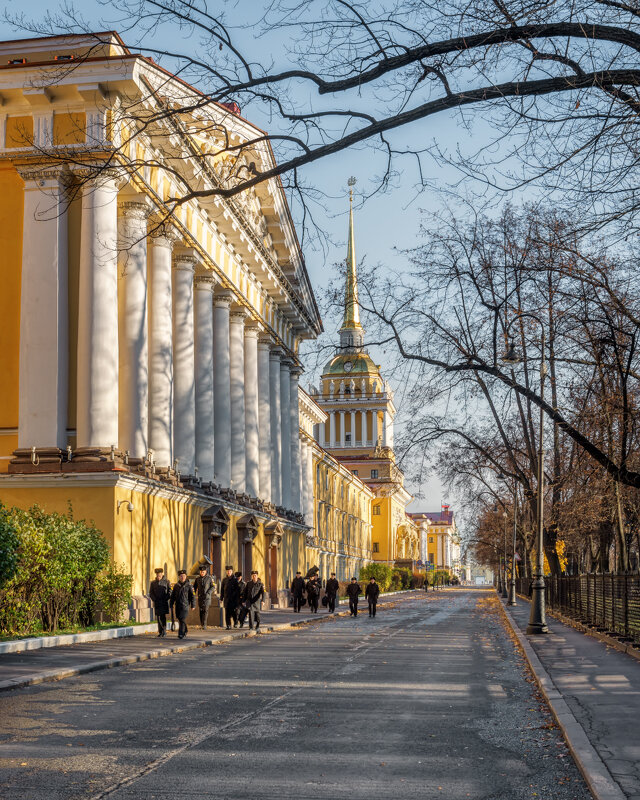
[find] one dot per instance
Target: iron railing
(606, 601)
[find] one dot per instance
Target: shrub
(113, 589)
(418, 580)
(57, 561)
(9, 543)
(381, 572)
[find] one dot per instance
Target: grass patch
(8, 637)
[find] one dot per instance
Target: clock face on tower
(348, 366)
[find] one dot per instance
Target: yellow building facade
(148, 346)
(358, 431)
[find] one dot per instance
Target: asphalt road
(430, 699)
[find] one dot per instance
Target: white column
(384, 428)
(132, 327)
(264, 418)
(97, 399)
(160, 350)
(238, 437)
(332, 429)
(276, 427)
(294, 425)
(304, 497)
(204, 377)
(184, 413)
(310, 484)
(222, 388)
(42, 415)
(251, 410)
(342, 436)
(285, 409)
(353, 429)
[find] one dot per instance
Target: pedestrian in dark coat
(253, 596)
(203, 587)
(353, 591)
(313, 594)
(241, 587)
(297, 591)
(160, 592)
(331, 590)
(230, 597)
(371, 594)
(182, 599)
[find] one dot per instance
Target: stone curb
(593, 769)
(121, 661)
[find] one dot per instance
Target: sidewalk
(601, 687)
(54, 663)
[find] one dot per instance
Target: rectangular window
(374, 473)
(376, 547)
(355, 472)
(376, 511)
(431, 540)
(347, 438)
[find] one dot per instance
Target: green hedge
(49, 564)
(381, 572)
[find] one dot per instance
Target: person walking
(297, 591)
(182, 599)
(160, 592)
(253, 596)
(313, 593)
(331, 590)
(203, 587)
(353, 591)
(230, 597)
(371, 593)
(241, 587)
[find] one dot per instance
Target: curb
(593, 769)
(121, 661)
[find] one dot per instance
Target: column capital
(163, 234)
(296, 372)
(238, 315)
(252, 329)
(46, 176)
(275, 354)
(184, 258)
(223, 298)
(134, 208)
(205, 283)
(264, 341)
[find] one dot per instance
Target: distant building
(439, 540)
(358, 431)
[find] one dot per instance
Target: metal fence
(605, 601)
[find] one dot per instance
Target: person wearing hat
(230, 597)
(203, 587)
(331, 590)
(160, 592)
(182, 599)
(353, 591)
(371, 594)
(297, 591)
(253, 596)
(241, 587)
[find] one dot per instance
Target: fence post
(613, 604)
(626, 605)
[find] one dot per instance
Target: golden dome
(351, 364)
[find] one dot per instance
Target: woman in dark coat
(182, 599)
(160, 592)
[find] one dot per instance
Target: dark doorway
(273, 574)
(247, 531)
(215, 521)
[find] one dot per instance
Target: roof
(442, 517)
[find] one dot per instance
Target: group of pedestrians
(312, 588)
(240, 599)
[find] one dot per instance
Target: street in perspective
(319, 399)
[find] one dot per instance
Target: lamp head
(511, 356)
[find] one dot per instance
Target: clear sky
(385, 223)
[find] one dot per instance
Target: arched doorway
(273, 532)
(247, 528)
(215, 522)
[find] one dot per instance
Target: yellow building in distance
(149, 354)
(358, 431)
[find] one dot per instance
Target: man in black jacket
(371, 594)
(230, 598)
(203, 587)
(331, 590)
(313, 593)
(353, 591)
(160, 592)
(253, 595)
(182, 599)
(297, 591)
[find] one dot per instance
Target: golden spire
(351, 319)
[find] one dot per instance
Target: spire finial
(351, 319)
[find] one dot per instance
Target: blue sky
(385, 223)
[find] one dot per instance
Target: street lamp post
(504, 569)
(512, 583)
(537, 618)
